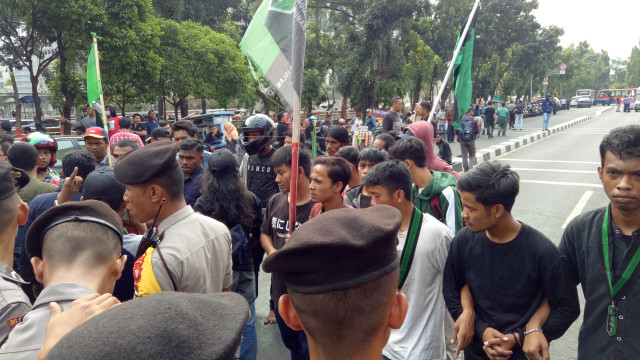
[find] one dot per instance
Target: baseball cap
(6, 125)
(96, 132)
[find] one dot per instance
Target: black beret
(222, 161)
(101, 184)
(165, 325)
(339, 249)
(11, 179)
(74, 211)
(147, 163)
(159, 132)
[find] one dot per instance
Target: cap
(96, 132)
(146, 163)
(93, 211)
(168, 325)
(339, 249)
(11, 179)
(6, 125)
(222, 161)
(102, 185)
(159, 132)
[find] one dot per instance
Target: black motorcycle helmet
(265, 125)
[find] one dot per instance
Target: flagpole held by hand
(104, 115)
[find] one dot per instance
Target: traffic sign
(563, 66)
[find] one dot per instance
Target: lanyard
(410, 245)
(614, 288)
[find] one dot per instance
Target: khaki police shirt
(27, 338)
(197, 251)
(14, 303)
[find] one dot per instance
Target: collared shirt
(191, 190)
(102, 163)
(27, 338)
(197, 253)
(140, 127)
(582, 245)
(152, 125)
(124, 134)
(14, 303)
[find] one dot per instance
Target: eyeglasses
(150, 238)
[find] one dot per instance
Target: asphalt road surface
(559, 180)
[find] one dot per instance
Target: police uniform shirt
(14, 303)
(196, 251)
(27, 338)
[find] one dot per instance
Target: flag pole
(436, 102)
(104, 115)
(295, 148)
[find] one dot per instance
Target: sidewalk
(488, 149)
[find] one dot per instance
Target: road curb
(505, 147)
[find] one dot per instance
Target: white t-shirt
(422, 333)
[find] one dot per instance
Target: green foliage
(633, 68)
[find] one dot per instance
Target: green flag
(275, 43)
(94, 88)
(462, 75)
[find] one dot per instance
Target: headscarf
(423, 130)
(230, 132)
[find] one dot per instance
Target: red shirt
(114, 125)
(318, 209)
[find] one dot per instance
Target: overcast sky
(606, 25)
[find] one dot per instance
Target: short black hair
(279, 116)
(410, 148)
(338, 168)
(395, 99)
(185, 125)
(112, 111)
(172, 182)
(282, 157)
(623, 142)
(349, 153)
(125, 122)
(491, 183)
(426, 105)
(303, 138)
(372, 154)
(339, 133)
(127, 143)
(393, 175)
(137, 114)
(387, 139)
(6, 140)
(191, 144)
(82, 159)
(23, 156)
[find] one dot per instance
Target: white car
(574, 101)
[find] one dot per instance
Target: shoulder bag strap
(410, 246)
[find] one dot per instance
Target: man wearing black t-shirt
(275, 231)
(490, 119)
(392, 120)
(281, 128)
(508, 266)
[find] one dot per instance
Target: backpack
(239, 243)
(467, 132)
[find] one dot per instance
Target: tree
(633, 68)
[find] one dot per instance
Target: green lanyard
(410, 245)
(605, 249)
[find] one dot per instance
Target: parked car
(584, 101)
(66, 144)
(574, 101)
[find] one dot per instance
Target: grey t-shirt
(391, 121)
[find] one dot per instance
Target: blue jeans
(519, 118)
(545, 120)
(243, 284)
(294, 340)
(442, 128)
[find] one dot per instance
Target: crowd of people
(153, 239)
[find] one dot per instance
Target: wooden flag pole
(104, 115)
(295, 148)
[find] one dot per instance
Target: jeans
(502, 127)
(442, 128)
(545, 120)
(489, 127)
(468, 149)
(627, 107)
(519, 118)
(243, 284)
(294, 340)
(450, 133)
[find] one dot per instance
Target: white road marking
(554, 161)
(561, 183)
(578, 208)
(557, 170)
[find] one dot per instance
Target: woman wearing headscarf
(423, 130)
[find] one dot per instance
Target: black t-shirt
(519, 108)
(276, 225)
(508, 281)
(489, 114)
(261, 179)
(388, 121)
(281, 129)
(140, 127)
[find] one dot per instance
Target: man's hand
(79, 311)
(463, 330)
(536, 346)
(497, 346)
(70, 187)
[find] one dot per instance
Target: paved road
(558, 179)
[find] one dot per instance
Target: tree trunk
(161, 109)
(16, 97)
(416, 94)
(265, 101)
(184, 108)
(36, 101)
(69, 96)
(345, 96)
(204, 106)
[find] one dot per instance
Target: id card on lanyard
(612, 310)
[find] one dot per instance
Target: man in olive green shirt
(23, 155)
